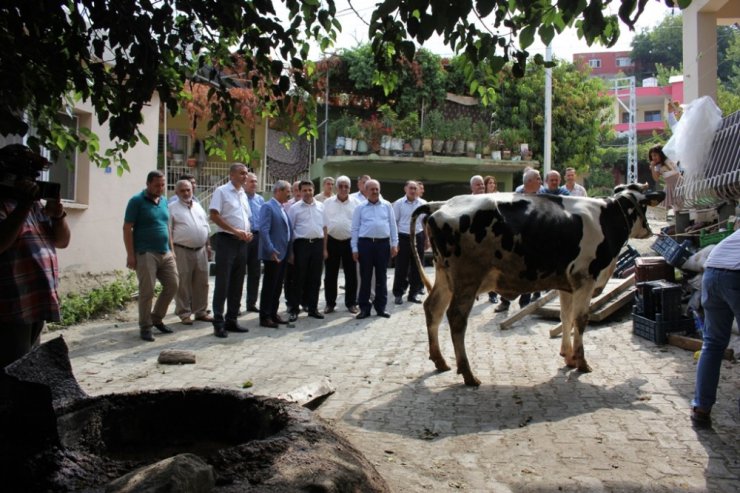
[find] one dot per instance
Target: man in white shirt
(406, 272)
(359, 195)
(338, 249)
(328, 191)
(190, 230)
(307, 219)
(229, 210)
(574, 189)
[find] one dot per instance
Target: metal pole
(326, 115)
(548, 112)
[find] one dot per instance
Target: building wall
(96, 216)
(608, 61)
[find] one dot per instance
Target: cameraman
(29, 236)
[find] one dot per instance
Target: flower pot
(470, 148)
(339, 143)
(350, 144)
(459, 147)
(449, 146)
(506, 154)
(192, 162)
(416, 145)
(426, 146)
(496, 155)
(361, 147)
(407, 146)
(438, 145)
(396, 144)
(385, 142)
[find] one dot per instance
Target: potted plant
(433, 128)
(350, 135)
(480, 134)
(447, 133)
(361, 137)
(390, 122)
(336, 132)
(373, 130)
(461, 130)
(510, 137)
(408, 130)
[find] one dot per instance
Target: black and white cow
(514, 244)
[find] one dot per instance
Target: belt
(407, 234)
(336, 239)
(375, 240)
(187, 247)
(310, 240)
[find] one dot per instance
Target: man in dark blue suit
(275, 243)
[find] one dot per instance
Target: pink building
(652, 105)
(606, 64)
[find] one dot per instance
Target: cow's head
(633, 200)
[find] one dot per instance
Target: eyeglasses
(342, 186)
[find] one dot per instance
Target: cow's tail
(424, 210)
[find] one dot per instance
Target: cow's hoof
(583, 367)
(471, 381)
(570, 362)
(441, 365)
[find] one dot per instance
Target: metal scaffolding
(621, 86)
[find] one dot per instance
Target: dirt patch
(72, 282)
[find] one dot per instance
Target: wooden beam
(533, 306)
(695, 345)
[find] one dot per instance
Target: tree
(117, 54)
(581, 113)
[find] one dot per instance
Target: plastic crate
(658, 330)
(653, 269)
(658, 298)
(673, 252)
(714, 238)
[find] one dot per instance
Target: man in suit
(253, 262)
(275, 243)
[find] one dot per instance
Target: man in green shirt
(149, 252)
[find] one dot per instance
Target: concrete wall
(96, 216)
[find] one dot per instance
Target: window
(594, 63)
(64, 168)
(653, 116)
(623, 61)
(625, 117)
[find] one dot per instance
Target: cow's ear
(618, 189)
(653, 198)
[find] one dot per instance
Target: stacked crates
(657, 311)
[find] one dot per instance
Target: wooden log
(309, 393)
(176, 357)
(533, 306)
(695, 345)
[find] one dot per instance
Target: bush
(76, 308)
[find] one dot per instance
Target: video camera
(18, 162)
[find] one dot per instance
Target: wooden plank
(695, 345)
(531, 308)
(613, 290)
(614, 305)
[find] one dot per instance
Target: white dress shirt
(307, 219)
(232, 205)
(189, 225)
(403, 209)
(374, 221)
(338, 217)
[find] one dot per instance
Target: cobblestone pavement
(532, 426)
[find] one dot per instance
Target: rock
(184, 472)
(176, 357)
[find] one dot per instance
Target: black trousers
(253, 270)
(231, 265)
(374, 256)
(407, 274)
(272, 286)
(340, 252)
(18, 339)
(308, 264)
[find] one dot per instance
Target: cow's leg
(566, 348)
(457, 314)
(579, 311)
(434, 309)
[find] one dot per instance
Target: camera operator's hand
(27, 191)
(54, 208)
(131, 262)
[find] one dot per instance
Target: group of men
(292, 239)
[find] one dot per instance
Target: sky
(354, 31)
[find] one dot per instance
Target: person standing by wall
(275, 244)
(229, 210)
(29, 236)
(406, 273)
(253, 261)
(149, 252)
(327, 191)
(190, 237)
(338, 212)
(574, 189)
(374, 242)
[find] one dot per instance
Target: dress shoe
(414, 299)
(204, 318)
(292, 317)
(146, 335)
(399, 300)
(354, 309)
(163, 328)
(700, 418)
(329, 309)
(315, 314)
(253, 309)
(186, 321)
(362, 315)
(502, 307)
(279, 320)
(493, 298)
(269, 323)
(235, 327)
(536, 296)
(384, 314)
(220, 333)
